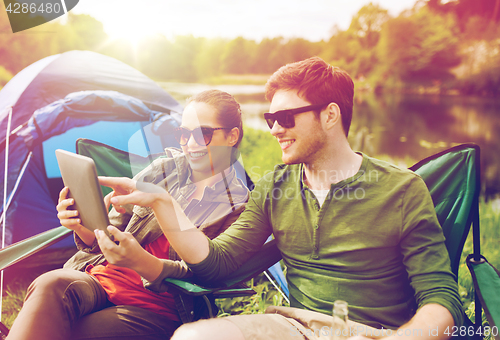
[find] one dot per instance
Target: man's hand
(192, 247)
(128, 253)
(429, 317)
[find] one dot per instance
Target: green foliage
(20, 50)
(87, 32)
(12, 302)
(265, 295)
(479, 72)
(367, 24)
(237, 56)
(207, 62)
(5, 76)
(488, 11)
(420, 46)
(260, 152)
(354, 49)
(268, 57)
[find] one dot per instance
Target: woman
(109, 290)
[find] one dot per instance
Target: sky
(251, 19)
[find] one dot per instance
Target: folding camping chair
(452, 177)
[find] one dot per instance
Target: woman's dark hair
(228, 109)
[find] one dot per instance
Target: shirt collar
(361, 171)
(215, 193)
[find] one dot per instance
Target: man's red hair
(317, 82)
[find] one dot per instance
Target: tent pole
(4, 199)
(277, 288)
(13, 192)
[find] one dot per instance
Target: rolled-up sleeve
(239, 242)
(424, 252)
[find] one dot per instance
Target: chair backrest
(118, 163)
(452, 177)
(112, 162)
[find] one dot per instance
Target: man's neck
(343, 163)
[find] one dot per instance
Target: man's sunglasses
(202, 135)
(286, 118)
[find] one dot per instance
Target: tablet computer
(80, 176)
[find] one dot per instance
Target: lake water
(400, 128)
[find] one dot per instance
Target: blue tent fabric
(57, 100)
(16, 86)
(30, 203)
(277, 273)
(84, 108)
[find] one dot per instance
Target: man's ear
(333, 116)
(234, 135)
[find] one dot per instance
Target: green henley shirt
(375, 242)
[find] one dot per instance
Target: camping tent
(51, 103)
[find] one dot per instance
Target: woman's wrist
(85, 235)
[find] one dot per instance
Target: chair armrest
(268, 255)
(486, 279)
(18, 251)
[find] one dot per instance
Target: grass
(13, 298)
(266, 295)
(260, 152)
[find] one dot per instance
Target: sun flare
(132, 29)
(131, 33)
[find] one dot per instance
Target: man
(349, 227)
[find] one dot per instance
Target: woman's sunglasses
(202, 135)
(286, 118)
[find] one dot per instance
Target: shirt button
(316, 226)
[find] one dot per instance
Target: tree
(89, 32)
(153, 57)
(208, 60)
(367, 24)
(297, 49)
(268, 56)
(421, 46)
(237, 57)
(489, 10)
